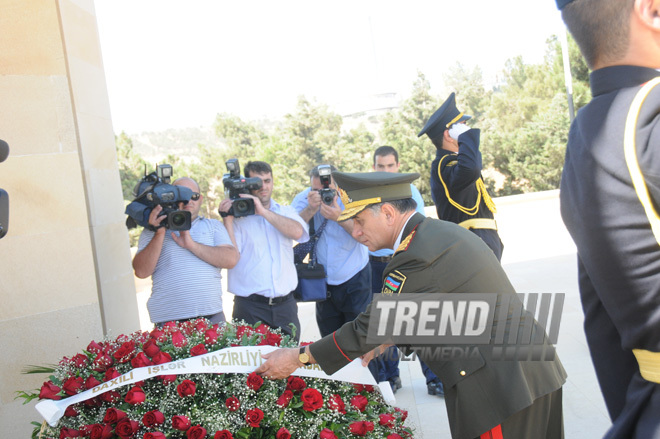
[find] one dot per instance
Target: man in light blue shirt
(265, 276)
(386, 367)
(346, 261)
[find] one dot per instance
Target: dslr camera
(325, 175)
(235, 185)
(155, 190)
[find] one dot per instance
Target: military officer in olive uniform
(484, 395)
(610, 193)
(457, 189)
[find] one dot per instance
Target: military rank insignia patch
(393, 283)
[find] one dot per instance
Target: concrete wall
(65, 273)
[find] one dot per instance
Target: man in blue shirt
(265, 276)
(386, 367)
(346, 261)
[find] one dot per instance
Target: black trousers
(278, 315)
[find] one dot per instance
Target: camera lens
(178, 219)
(241, 207)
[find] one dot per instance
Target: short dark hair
(314, 172)
(257, 167)
(402, 206)
(385, 150)
(601, 28)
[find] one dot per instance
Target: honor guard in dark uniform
(486, 397)
(457, 188)
(610, 193)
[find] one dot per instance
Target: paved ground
(539, 257)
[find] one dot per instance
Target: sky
(176, 64)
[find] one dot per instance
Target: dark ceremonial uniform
(618, 254)
(459, 193)
(524, 397)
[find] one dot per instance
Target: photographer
(185, 266)
(346, 261)
(265, 276)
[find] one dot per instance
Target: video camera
(235, 185)
(325, 175)
(153, 190)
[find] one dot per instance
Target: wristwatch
(303, 357)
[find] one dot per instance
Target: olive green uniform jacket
(480, 393)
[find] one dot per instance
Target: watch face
(304, 358)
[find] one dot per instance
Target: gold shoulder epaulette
(406, 242)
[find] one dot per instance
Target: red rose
(285, 398)
(98, 431)
(361, 428)
(91, 382)
(271, 339)
(223, 434)
(135, 396)
(201, 325)
(387, 420)
(326, 433)
(126, 428)
(211, 336)
(359, 388)
(233, 403)
(336, 403)
(171, 326)
(111, 374)
(312, 399)
(254, 381)
(262, 329)
(180, 423)
(110, 396)
(94, 348)
(152, 418)
(161, 358)
(196, 432)
(125, 352)
(158, 335)
(253, 417)
(73, 385)
(199, 349)
(404, 413)
(295, 384)
(49, 391)
(394, 436)
(102, 362)
(79, 360)
(71, 412)
(359, 402)
(282, 433)
(154, 435)
(68, 432)
(151, 348)
(141, 360)
(178, 339)
(113, 415)
(369, 388)
(93, 402)
(167, 379)
(186, 388)
(243, 330)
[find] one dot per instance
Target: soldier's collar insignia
(393, 283)
(406, 242)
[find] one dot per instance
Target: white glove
(457, 129)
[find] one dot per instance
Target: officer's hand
(314, 200)
(457, 129)
(376, 352)
(279, 364)
(332, 211)
(155, 218)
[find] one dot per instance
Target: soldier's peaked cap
(562, 3)
(362, 189)
(443, 118)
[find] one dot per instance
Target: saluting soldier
(457, 188)
(485, 396)
(610, 193)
